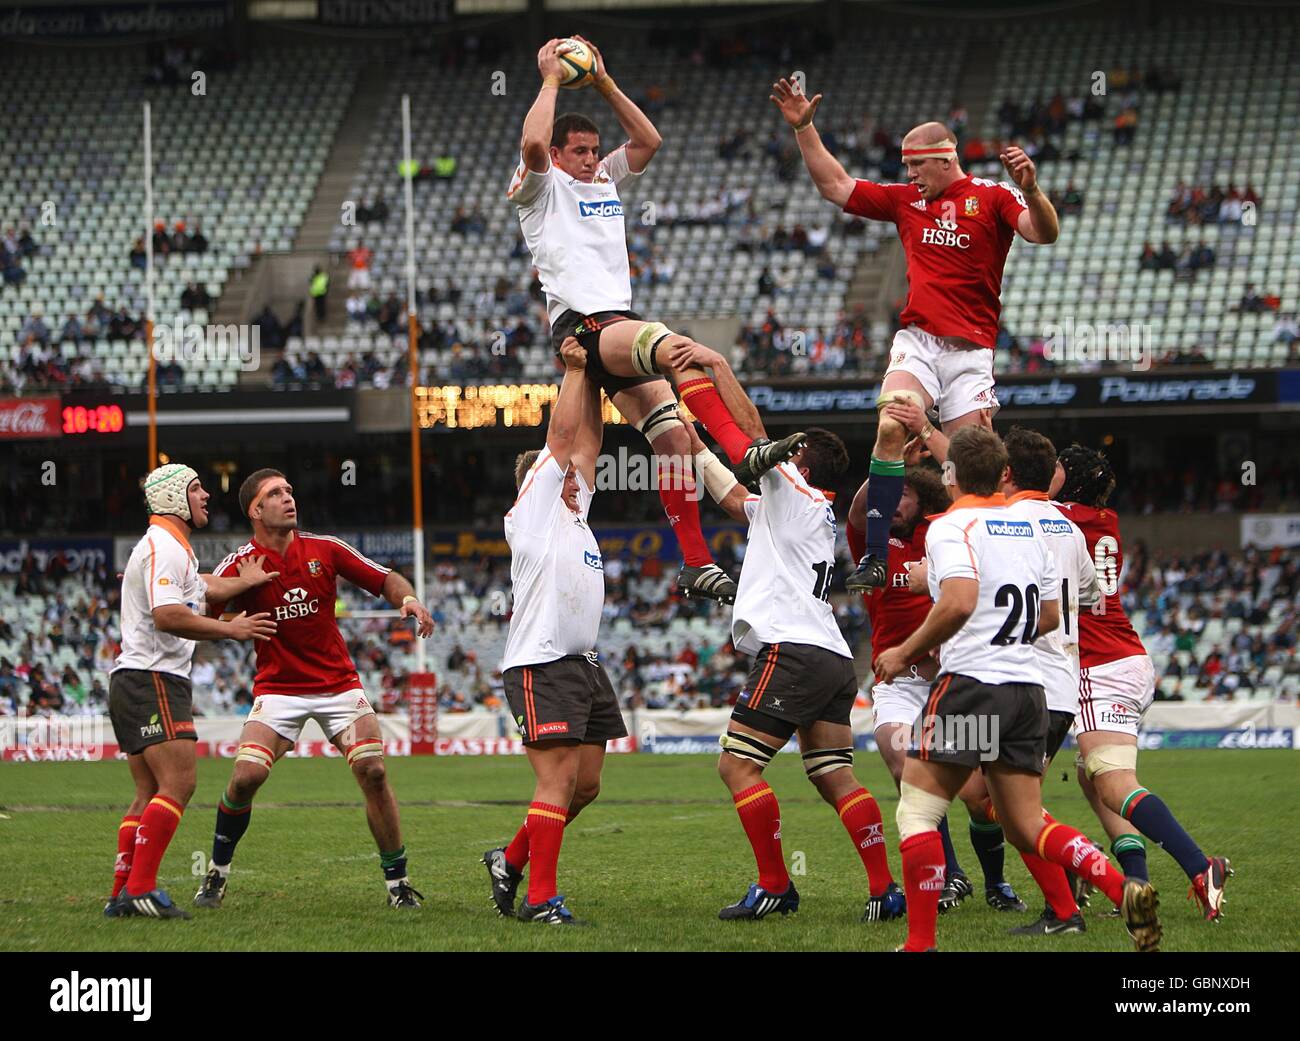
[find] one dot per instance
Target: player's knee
(371, 774)
(246, 780)
(825, 768)
(919, 811)
(584, 794)
(891, 435)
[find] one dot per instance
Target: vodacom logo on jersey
(296, 605)
(945, 234)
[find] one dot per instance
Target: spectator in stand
(139, 259)
(14, 274)
(1149, 260)
(766, 283)
(180, 241)
(194, 297)
(34, 328)
(359, 260)
(1072, 200)
(73, 332)
(1166, 259)
(162, 243)
(1202, 257)
(318, 288)
(1126, 126)
(198, 241)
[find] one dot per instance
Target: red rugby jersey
(895, 612)
(307, 655)
(956, 248)
(1105, 634)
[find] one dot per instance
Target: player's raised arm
(830, 177)
(591, 432)
(1039, 222)
(535, 145)
(643, 139)
(570, 406)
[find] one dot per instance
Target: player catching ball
(149, 696)
(571, 215)
(306, 673)
(956, 231)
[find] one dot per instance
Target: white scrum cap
(166, 490)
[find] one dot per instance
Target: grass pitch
(647, 866)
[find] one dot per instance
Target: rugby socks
(1151, 816)
(157, 825)
(860, 814)
(545, 826)
(949, 853)
(394, 865)
(1072, 850)
(1131, 852)
(517, 851)
(990, 847)
(232, 821)
(923, 874)
(884, 490)
(677, 492)
(125, 850)
(760, 815)
(706, 404)
(1054, 884)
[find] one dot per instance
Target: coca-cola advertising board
(28, 418)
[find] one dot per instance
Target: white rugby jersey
(555, 570)
(1058, 651)
(981, 538)
(576, 234)
(162, 571)
(782, 596)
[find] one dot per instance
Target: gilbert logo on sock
(936, 879)
(102, 995)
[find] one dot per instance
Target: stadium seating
(1235, 119)
(242, 161)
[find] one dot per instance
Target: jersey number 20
(1022, 604)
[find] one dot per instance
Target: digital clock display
(99, 419)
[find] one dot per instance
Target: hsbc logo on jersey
(1013, 529)
(296, 605)
(945, 235)
(899, 581)
(605, 208)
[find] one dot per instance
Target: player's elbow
(836, 189)
(1049, 617)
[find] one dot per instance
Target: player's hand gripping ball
(578, 62)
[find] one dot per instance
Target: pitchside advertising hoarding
(108, 18)
(1270, 530)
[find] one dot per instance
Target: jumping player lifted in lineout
(571, 216)
(956, 231)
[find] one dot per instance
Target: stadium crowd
(1219, 625)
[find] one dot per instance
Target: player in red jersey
(956, 231)
(304, 673)
(1116, 685)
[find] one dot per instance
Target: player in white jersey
(571, 215)
(558, 691)
(802, 680)
(149, 696)
(995, 586)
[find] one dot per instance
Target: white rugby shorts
(1114, 696)
(957, 374)
(287, 714)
